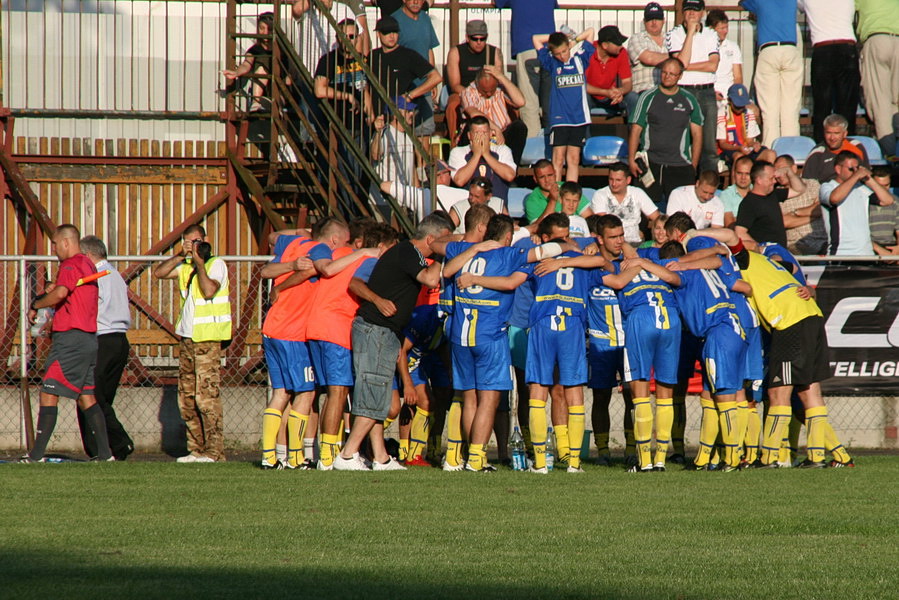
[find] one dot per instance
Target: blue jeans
(375, 350)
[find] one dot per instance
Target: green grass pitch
(162, 530)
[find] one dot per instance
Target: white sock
(281, 451)
(310, 449)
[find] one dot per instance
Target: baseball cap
(610, 33)
(693, 5)
(403, 104)
(653, 12)
(387, 25)
(476, 27)
(443, 167)
(738, 94)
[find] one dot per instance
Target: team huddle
(555, 313)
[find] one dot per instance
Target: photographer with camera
(203, 324)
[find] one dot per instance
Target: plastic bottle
(550, 449)
(40, 321)
(519, 456)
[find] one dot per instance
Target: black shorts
(798, 354)
(566, 135)
(70, 364)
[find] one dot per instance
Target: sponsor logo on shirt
(576, 79)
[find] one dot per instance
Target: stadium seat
(797, 146)
(515, 201)
(588, 193)
(875, 153)
(535, 148)
(604, 150)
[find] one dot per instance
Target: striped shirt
(495, 107)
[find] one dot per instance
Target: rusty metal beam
(161, 161)
(157, 317)
(127, 174)
(18, 185)
(257, 192)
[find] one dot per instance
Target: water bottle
(519, 456)
(40, 320)
(550, 449)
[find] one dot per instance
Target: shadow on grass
(40, 575)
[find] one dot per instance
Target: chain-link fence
(147, 399)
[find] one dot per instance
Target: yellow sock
(271, 423)
(775, 424)
(832, 444)
(537, 418)
(563, 448)
(784, 454)
(815, 420)
(454, 433)
(753, 430)
(679, 425)
(296, 426)
(602, 443)
(664, 423)
(643, 430)
(708, 432)
(477, 456)
(742, 424)
(418, 433)
(404, 449)
(328, 448)
(727, 419)
(793, 437)
(575, 434)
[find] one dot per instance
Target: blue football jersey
(425, 329)
(568, 104)
(647, 292)
(479, 314)
(447, 298)
(729, 273)
(704, 302)
(559, 297)
(604, 314)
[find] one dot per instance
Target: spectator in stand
(571, 194)
(738, 133)
(258, 61)
(391, 149)
(113, 321)
(545, 200)
(730, 65)
(609, 78)
(835, 72)
(778, 68)
(569, 112)
(802, 214)
(397, 68)
(340, 81)
(479, 192)
(417, 33)
(733, 195)
(819, 164)
(878, 31)
(659, 234)
(646, 49)
(484, 158)
(699, 201)
(492, 95)
(463, 64)
(667, 125)
(845, 199)
(530, 18)
(697, 49)
(760, 217)
(883, 220)
(625, 201)
(388, 7)
(316, 32)
(413, 196)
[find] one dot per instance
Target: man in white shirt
(697, 49)
(699, 201)
(480, 191)
(730, 64)
(626, 202)
(483, 158)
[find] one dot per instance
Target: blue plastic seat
(515, 201)
(797, 146)
(604, 150)
(588, 193)
(535, 148)
(872, 147)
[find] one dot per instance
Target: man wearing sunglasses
(463, 63)
(845, 200)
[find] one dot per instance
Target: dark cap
(653, 12)
(610, 33)
(403, 104)
(387, 25)
(693, 5)
(476, 27)
(443, 167)
(738, 95)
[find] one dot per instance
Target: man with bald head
(73, 354)
(491, 95)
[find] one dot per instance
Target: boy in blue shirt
(569, 110)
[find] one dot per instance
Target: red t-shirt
(606, 74)
(79, 309)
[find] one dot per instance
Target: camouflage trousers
(199, 380)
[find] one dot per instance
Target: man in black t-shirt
(387, 302)
(340, 81)
(760, 217)
(397, 67)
